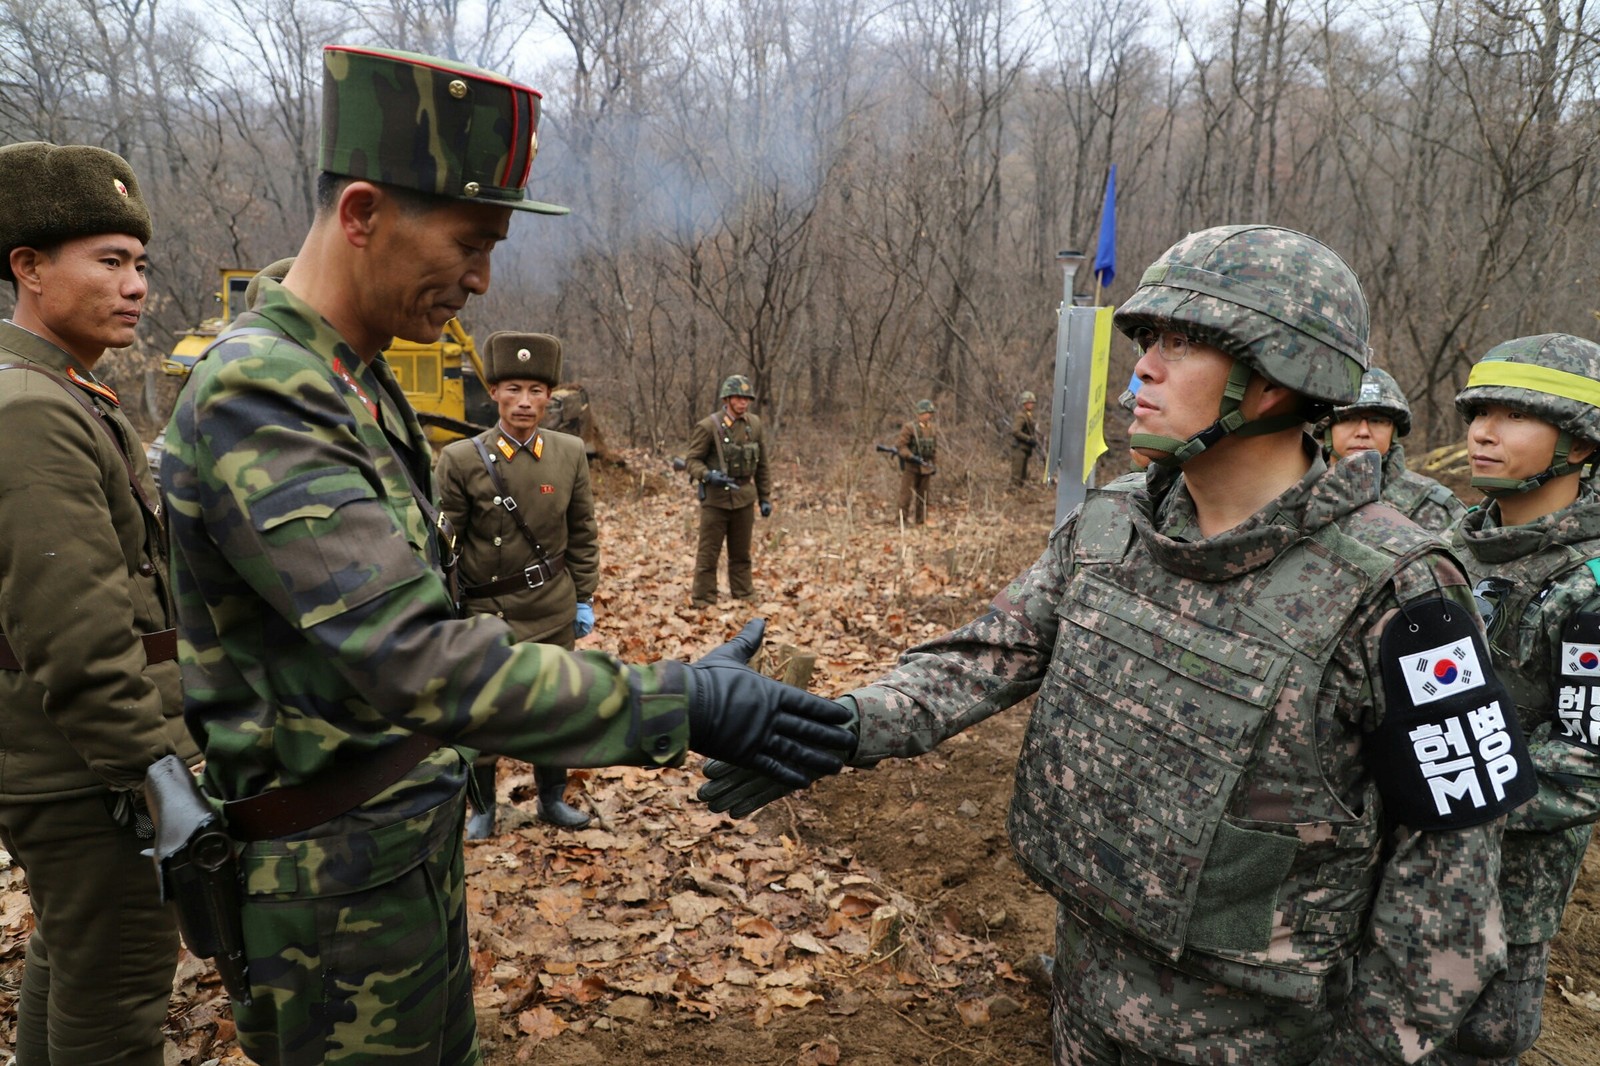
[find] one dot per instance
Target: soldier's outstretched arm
(939, 688)
(307, 514)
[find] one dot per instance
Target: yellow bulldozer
(443, 380)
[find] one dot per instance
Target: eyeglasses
(1169, 344)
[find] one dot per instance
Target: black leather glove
(733, 790)
(742, 717)
(721, 480)
(766, 508)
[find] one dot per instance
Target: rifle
(196, 867)
(927, 467)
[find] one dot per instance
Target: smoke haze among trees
(860, 204)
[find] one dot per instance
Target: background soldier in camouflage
(544, 589)
(727, 461)
(1379, 415)
(88, 672)
(1231, 780)
(918, 449)
(320, 645)
(1533, 406)
(1024, 439)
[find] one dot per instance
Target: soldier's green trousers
(737, 526)
(914, 494)
(1019, 466)
(99, 964)
(381, 975)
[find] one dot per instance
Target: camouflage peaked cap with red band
(431, 125)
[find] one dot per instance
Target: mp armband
(1578, 685)
(1449, 753)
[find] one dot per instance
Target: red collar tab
(105, 392)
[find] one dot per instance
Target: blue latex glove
(766, 508)
(583, 625)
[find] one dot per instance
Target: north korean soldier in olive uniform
(1268, 742)
(727, 462)
(519, 500)
(88, 659)
(918, 447)
(327, 675)
(1024, 439)
(1533, 410)
(1379, 415)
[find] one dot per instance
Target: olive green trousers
(98, 972)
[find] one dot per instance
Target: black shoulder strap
(508, 501)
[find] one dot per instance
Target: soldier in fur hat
(88, 671)
(519, 499)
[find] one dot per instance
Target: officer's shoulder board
(1449, 752)
(1577, 674)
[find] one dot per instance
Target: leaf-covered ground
(877, 919)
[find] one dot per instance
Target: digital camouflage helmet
(1380, 395)
(1281, 303)
(1554, 377)
(737, 385)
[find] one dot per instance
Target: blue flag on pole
(1105, 256)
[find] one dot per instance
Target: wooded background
(859, 203)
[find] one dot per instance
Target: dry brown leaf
(541, 1023)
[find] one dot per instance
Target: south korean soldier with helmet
(1267, 742)
(1376, 421)
(1533, 549)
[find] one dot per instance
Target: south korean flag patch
(1449, 753)
(1578, 682)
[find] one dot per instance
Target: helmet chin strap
(1230, 419)
(1496, 487)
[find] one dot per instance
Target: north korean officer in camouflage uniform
(727, 462)
(1380, 415)
(519, 500)
(88, 659)
(328, 677)
(1268, 767)
(918, 448)
(1024, 439)
(1533, 550)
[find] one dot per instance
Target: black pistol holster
(197, 868)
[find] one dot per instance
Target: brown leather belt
(159, 647)
(533, 577)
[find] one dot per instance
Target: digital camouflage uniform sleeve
(1436, 936)
(955, 681)
(1569, 774)
(285, 487)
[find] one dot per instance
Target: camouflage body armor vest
(1170, 784)
(1408, 492)
(1528, 579)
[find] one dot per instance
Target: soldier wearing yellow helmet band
(1533, 411)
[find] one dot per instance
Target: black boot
(553, 807)
(480, 824)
